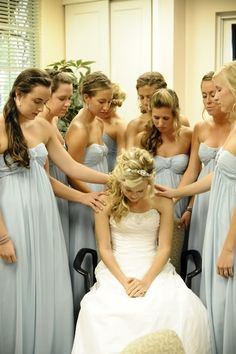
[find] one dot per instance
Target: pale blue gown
(36, 308)
(109, 319)
(207, 156)
(169, 171)
(112, 151)
(82, 220)
(217, 292)
(63, 205)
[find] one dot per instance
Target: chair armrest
(77, 265)
(197, 259)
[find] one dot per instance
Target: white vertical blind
(19, 41)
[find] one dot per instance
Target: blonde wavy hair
(229, 74)
(118, 96)
(133, 167)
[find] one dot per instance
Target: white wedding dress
(109, 319)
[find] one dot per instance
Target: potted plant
(78, 69)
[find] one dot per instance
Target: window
(19, 41)
(225, 37)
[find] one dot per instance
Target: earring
(234, 107)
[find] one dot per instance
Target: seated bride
(138, 290)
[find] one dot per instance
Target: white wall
(200, 48)
(52, 39)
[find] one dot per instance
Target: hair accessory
(142, 173)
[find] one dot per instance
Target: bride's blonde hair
(133, 167)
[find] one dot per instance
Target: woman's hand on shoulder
(164, 191)
(96, 200)
(104, 204)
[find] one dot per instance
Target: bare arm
(92, 199)
(201, 186)
(103, 237)
(194, 165)
(130, 134)
(68, 165)
(225, 261)
(120, 137)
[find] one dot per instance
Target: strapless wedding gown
(109, 319)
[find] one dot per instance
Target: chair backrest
(160, 342)
(179, 258)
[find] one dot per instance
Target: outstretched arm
(92, 199)
(130, 134)
(201, 186)
(64, 161)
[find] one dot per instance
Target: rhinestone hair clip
(142, 173)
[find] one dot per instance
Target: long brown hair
(161, 98)
(17, 148)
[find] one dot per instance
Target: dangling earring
(234, 107)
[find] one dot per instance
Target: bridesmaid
(36, 309)
(218, 285)
(85, 145)
(146, 85)
(114, 127)
(55, 108)
(169, 141)
(208, 136)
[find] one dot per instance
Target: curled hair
(118, 96)
(17, 148)
(229, 73)
(127, 173)
(152, 78)
(161, 98)
(94, 82)
(59, 77)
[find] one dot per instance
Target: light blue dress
(112, 151)
(82, 220)
(207, 156)
(218, 293)
(169, 171)
(63, 205)
(36, 309)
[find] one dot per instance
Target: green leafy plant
(78, 69)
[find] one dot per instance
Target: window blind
(19, 41)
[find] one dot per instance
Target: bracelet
(189, 209)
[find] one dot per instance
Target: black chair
(89, 277)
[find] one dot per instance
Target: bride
(138, 290)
